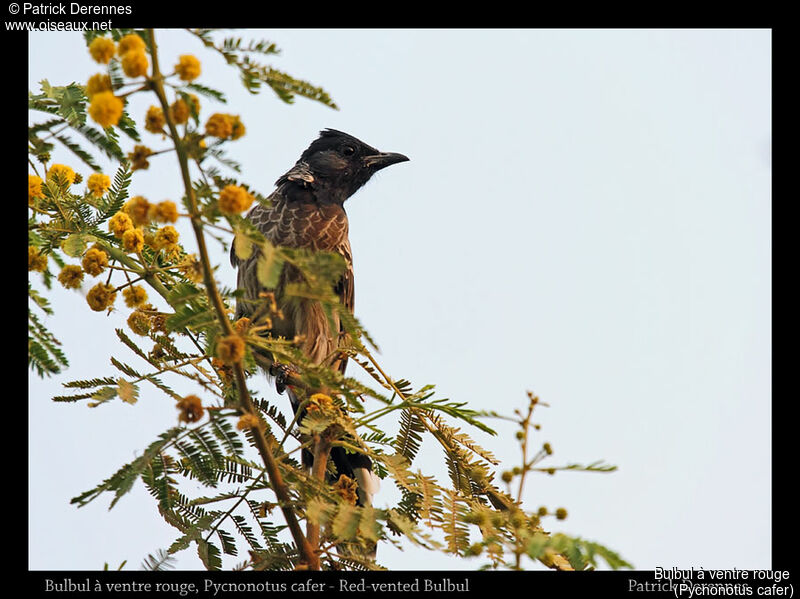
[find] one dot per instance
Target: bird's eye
(348, 150)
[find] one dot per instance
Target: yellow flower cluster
(181, 110)
(191, 409)
(248, 420)
(138, 209)
(105, 108)
(230, 349)
(102, 49)
(133, 241)
(164, 212)
(135, 296)
(98, 83)
(98, 184)
(139, 156)
(346, 488)
(238, 127)
(225, 126)
(61, 173)
(131, 43)
(120, 223)
(146, 318)
(94, 261)
(34, 189)
(36, 260)
(134, 64)
(154, 120)
(71, 276)
(101, 296)
(188, 67)
(219, 125)
(166, 238)
(139, 322)
(234, 199)
(132, 56)
(139, 212)
(192, 269)
(322, 403)
(131, 50)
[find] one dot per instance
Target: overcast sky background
(586, 215)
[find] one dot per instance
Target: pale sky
(586, 215)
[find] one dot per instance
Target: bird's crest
(331, 138)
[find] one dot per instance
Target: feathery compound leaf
(159, 562)
(429, 500)
(128, 392)
(579, 552)
(286, 87)
(209, 554)
(593, 550)
(227, 541)
(117, 194)
(456, 534)
(39, 300)
(246, 236)
(269, 265)
(223, 430)
(45, 126)
(208, 92)
(345, 522)
(128, 126)
(67, 101)
(90, 383)
(197, 463)
(254, 74)
(457, 472)
(44, 355)
(246, 531)
(409, 437)
(158, 482)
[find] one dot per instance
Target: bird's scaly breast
(316, 226)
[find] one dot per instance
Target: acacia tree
(241, 448)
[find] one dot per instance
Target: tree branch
(276, 481)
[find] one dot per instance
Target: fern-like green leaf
(209, 554)
(44, 355)
(409, 438)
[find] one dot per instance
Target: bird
(306, 210)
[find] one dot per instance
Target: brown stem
(196, 221)
(276, 480)
(322, 449)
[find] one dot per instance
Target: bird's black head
(340, 164)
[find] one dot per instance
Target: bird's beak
(378, 161)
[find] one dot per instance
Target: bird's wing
(300, 173)
(346, 287)
(267, 220)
